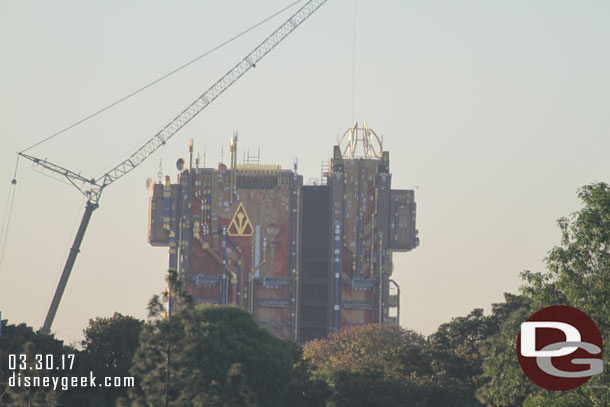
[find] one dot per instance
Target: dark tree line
(218, 356)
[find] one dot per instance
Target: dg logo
(560, 348)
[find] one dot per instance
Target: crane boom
(95, 187)
(209, 95)
(71, 176)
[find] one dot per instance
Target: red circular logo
(560, 348)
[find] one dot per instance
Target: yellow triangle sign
(240, 224)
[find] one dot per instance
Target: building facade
(304, 260)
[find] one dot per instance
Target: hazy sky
(498, 111)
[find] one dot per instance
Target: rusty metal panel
(221, 228)
(357, 202)
(403, 232)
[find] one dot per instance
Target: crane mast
(93, 188)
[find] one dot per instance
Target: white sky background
(497, 111)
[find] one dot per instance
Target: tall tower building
(304, 260)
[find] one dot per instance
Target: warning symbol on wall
(240, 224)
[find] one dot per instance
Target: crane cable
(354, 64)
(12, 188)
(8, 213)
(192, 61)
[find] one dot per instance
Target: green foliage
(22, 339)
(370, 365)
(579, 269)
(461, 341)
(110, 343)
(218, 356)
(367, 387)
(506, 385)
(578, 274)
(462, 345)
(175, 294)
(108, 350)
(394, 351)
(304, 390)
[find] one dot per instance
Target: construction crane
(93, 188)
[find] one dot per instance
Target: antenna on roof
(160, 171)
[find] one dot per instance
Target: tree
(304, 390)
(461, 346)
(108, 350)
(579, 268)
(464, 338)
(23, 340)
(372, 365)
(578, 274)
(394, 351)
(505, 384)
(219, 357)
(370, 387)
(110, 343)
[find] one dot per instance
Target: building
(304, 260)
